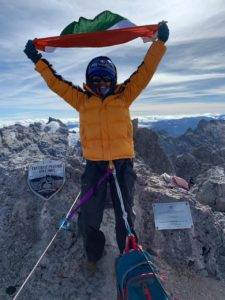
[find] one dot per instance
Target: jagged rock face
(197, 150)
(186, 166)
(210, 189)
(28, 223)
(38, 140)
(211, 132)
(207, 133)
(148, 148)
(199, 248)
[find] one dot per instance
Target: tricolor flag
(106, 29)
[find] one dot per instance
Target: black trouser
(91, 213)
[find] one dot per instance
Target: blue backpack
(137, 277)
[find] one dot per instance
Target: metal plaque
(175, 215)
(46, 178)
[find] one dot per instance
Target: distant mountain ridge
(177, 127)
(170, 125)
(173, 127)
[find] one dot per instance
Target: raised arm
(73, 95)
(144, 73)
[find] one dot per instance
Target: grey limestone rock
(28, 224)
(210, 189)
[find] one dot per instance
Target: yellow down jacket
(106, 131)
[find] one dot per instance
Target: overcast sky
(190, 79)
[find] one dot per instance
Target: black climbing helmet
(103, 66)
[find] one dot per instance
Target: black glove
(163, 32)
(32, 52)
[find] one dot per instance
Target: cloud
(178, 109)
(192, 71)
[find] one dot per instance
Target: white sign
(175, 215)
(46, 178)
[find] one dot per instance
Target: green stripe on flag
(101, 22)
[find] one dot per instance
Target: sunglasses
(98, 79)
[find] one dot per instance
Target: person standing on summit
(106, 134)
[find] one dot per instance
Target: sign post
(46, 178)
(174, 215)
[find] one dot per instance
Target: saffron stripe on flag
(97, 39)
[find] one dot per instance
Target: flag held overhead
(106, 29)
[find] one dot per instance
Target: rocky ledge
(191, 258)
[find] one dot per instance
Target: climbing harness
(90, 193)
